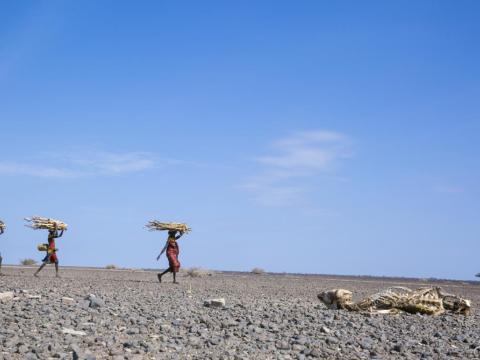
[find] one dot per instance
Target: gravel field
(127, 314)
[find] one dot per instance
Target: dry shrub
(258, 271)
(196, 272)
(111, 267)
(27, 262)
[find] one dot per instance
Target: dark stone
(398, 348)
(332, 340)
(282, 345)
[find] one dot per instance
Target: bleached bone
(429, 300)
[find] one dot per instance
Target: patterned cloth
(51, 257)
(172, 254)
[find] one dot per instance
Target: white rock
(34, 296)
(73, 332)
(88, 324)
(217, 303)
(68, 301)
(6, 296)
(325, 330)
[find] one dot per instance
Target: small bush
(28, 262)
(198, 272)
(111, 267)
(258, 271)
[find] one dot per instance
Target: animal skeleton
(38, 222)
(429, 300)
(158, 225)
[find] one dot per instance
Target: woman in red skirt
(1, 232)
(172, 254)
(51, 257)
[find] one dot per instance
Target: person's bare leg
(163, 273)
(1, 265)
(174, 277)
(56, 269)
(40, 269)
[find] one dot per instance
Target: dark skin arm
(163, 250)
(1, 231)
(55, 232)
(179, 235)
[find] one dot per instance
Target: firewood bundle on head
(156, 225)
(38, 222)
(2, 225)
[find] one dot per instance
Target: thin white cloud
(23, 169)
(292, 161)
(112, 163)
(75, 165)
(308, 151)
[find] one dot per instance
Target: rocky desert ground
(127, 314)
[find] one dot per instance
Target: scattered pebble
(216, 303)
(68, 300)
(74, 332)
(129, 315)
(6, 296)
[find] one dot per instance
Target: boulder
(95, 302)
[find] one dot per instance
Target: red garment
(51, 255)
(172, 254)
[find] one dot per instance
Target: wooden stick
(156, 225)
(38, 222)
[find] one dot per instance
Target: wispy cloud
(307, 151)
(111, 163)
(292, 161)
(80, 164)
(25, 169)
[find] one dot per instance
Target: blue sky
(317, 137)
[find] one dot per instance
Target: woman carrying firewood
(2, 226)
(51, 257)
(172, 249)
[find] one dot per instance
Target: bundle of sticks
(159, 226)
(38, 222)
(2, 225)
